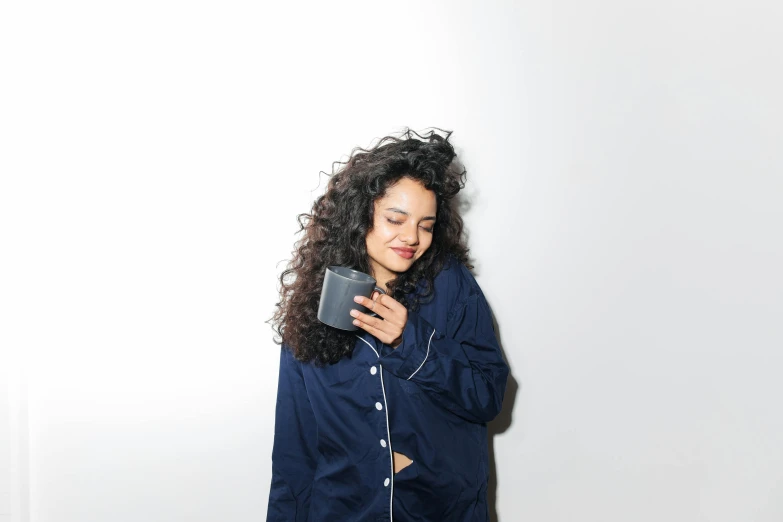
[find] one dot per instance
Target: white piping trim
(425, 357)
(391, 457)
(368, 344)
(388, 433)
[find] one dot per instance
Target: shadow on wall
(498, 425)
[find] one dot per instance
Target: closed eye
(394, 222)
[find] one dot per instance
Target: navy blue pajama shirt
(429, 399)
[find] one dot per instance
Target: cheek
(379, 236)
(384, 233)
(428, 243)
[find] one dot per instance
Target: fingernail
(356, 323)
(358, 298)
(355, 313)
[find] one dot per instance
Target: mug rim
(332, 267)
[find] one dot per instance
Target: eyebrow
(399, 211)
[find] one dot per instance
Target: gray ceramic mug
(341, 285)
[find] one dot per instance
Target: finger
(391, 310)
(389, 302)
(394, 316)
(375, 306)
(377, 297)
(375, 322)
(381, 335)
(384, 330)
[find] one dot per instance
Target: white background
(625, 217)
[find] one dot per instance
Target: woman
(388, 422)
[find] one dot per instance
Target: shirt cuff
(414, 350)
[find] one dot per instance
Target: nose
(410, 234)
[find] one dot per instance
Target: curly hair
(336, 228)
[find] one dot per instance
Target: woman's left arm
(462, 369)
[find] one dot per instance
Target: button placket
(385, 443)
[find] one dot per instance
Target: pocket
(410, 387)
(336, 374)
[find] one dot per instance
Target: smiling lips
(406, 253)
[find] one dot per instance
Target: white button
(383, 443)
(373, 370)
(386, 482)
(378, 406)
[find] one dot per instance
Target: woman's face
(402, 231)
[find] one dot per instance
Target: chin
(393, 265)
(401, 265)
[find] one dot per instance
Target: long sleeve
(462, 368)
(294, 455)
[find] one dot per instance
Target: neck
(382, 277)
(381, 281)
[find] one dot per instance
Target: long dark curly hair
(336, 228)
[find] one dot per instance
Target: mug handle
(379, 289)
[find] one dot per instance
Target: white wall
(625, 180)
(14, 452)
